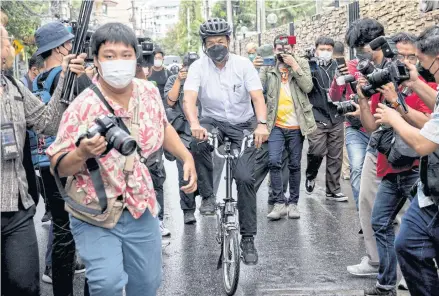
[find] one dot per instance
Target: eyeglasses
(412, 58)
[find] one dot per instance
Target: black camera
(145, 51)
(108, 127)
(394, 71)
(192, 57)
(346, 106)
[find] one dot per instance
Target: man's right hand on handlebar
(199, 132)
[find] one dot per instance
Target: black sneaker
(47, 275)
(249, 254)
(309, 185)
(336, 197)
(189, 217)
(381, 292)
(79, 268)
(47, 217)
(208, 206)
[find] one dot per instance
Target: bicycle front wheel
(231, 261)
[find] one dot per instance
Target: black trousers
(327, 141)
(242, 169)
(187, 200)
(63, 246)
(20, 259)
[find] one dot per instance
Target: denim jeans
(417, 244)
(129, 255)
(393, 192)
(48, 259)
(281, 138)
(356, 144)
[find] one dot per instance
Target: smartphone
(269, 61)
(341, 62)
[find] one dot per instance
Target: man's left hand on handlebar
(261, 135)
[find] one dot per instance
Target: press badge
(9, 142)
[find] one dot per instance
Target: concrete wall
(395, 15)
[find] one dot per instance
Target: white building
(157, 17)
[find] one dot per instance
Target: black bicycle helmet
(214, 27)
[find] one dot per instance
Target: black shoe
(309, 185)
(360, 232)
(189, 217)
(47, 217)
(208, 206)
(381, 292)
(336, 197)
(249, 253)
(47, 275)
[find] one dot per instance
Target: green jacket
(300, 84)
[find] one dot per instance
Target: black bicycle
(227, 215)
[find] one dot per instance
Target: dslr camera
(108, 126)
(347, 106)
(395, 71)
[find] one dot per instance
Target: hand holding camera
(389, 93)
(182, 74)
(258, 62)
(414, 75)
(92, 147)
(290, 61)
(74, 63)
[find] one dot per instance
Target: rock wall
(395, 15)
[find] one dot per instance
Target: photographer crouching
(111, 196)
(21, 109)
(397, 168)
(417, 243)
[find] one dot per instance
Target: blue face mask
(252, 56)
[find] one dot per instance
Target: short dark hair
(45, 55)
(363, 31)
(324, 41)
(158, 51)
(36, 61)
(278, 38)
(113, 32)
(428, 41)
(404, 38)
(338, 47)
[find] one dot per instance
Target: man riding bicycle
(228, 86)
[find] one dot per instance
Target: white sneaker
(364, 268)
(402, 284)
(164, 230)
(293, 211)
(278, 212)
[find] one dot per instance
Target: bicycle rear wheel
(231, 261)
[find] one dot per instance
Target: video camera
(192, 57)
(145, 51)
(394, 71)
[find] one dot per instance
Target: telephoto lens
(345, 107)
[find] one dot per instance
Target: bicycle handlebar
(247, 141)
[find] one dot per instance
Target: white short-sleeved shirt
(431, 132)
(224, 94)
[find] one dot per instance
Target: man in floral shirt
(128, 254)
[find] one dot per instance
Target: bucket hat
(50, 36)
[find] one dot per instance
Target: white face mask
(158, 63)
(325, 55)
(118, 73)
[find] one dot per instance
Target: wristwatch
(395, 104)
(262, 121)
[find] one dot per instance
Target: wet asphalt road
(296, 257)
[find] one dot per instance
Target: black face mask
(425, 73)
(218, 53)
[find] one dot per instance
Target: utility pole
(230, 14)
(133, 6)
(263, 18)
(318, 6)
(258, 16)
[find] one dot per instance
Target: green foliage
(177, 41)
(24, 18)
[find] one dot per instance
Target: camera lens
(128, 147)
(365, 67)
(345, 107)
(121, 141)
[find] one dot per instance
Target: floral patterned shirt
(137, 188)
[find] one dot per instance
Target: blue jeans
(48, 259)
(393, 192)
(417, 244)
(129, 255)
(356, 145)
(281, 138)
